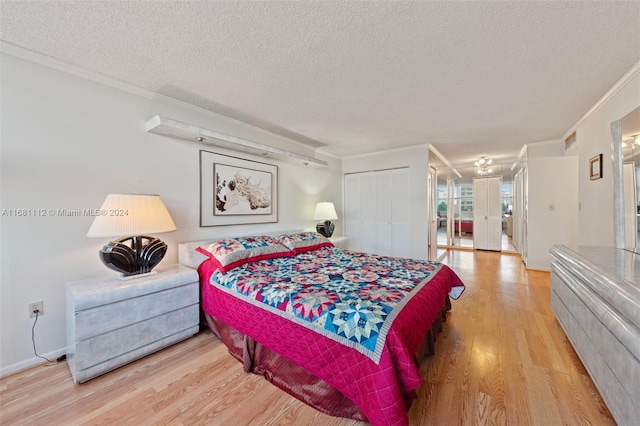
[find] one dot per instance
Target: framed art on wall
(235, 191)
(595, 167)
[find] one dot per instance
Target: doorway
(455, 211)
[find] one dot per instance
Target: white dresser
(111, 322)
(595, 294)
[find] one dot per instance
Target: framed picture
(235, 191)
(595, 167)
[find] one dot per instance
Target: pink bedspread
(384, 390)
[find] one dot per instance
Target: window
(466, 199)
(507, 198)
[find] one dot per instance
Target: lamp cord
(33, 340)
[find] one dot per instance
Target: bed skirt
(297, 381)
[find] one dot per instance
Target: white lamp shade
(131, 214)
(325, 211)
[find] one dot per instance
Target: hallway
(465, 240)
(502, 357)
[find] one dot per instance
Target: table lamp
(135, 216)
(325, 212)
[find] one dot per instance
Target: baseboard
(30, 363)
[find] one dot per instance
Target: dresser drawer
(102, 319)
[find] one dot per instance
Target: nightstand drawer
(102, 319)
(127, 339)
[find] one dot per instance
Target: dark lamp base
(325, 228)
(133, 256)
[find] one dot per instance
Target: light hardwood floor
(502, 358)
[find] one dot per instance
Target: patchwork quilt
(353, 319)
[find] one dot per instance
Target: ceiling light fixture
(632, 140)
(483, 166)
(483, 162)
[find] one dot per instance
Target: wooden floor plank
(501, 358)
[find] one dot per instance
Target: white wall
(552, 209)
(593, 136)
(67, 142)
(554, 148)
(417, 159)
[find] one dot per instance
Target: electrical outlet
(36, 306)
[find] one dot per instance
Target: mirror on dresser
(626, 148)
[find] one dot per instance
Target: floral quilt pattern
(352, 298)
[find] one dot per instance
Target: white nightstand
(111, 322)
(340, 242)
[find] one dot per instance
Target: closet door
(494, 213)
(377, 212)
(360, 215)
(367, 213)
(487, 213)
(352, 210)
(383, 213)
(480, 218)
(400, 213)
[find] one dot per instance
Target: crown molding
(444, 160)
(369, 154)
(547, 142)
(323, 152)
(623, 81)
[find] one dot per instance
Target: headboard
(188, 256)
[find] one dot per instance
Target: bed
(464, 225)
(341, 331)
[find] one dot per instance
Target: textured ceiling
(471, 78)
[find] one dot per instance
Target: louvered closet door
(367, 213)
(377, 212)
(480, 218)
(400, 213)
(359, 200)
(487, 213)
(351, 210)
(383, 213)
(494, 213)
